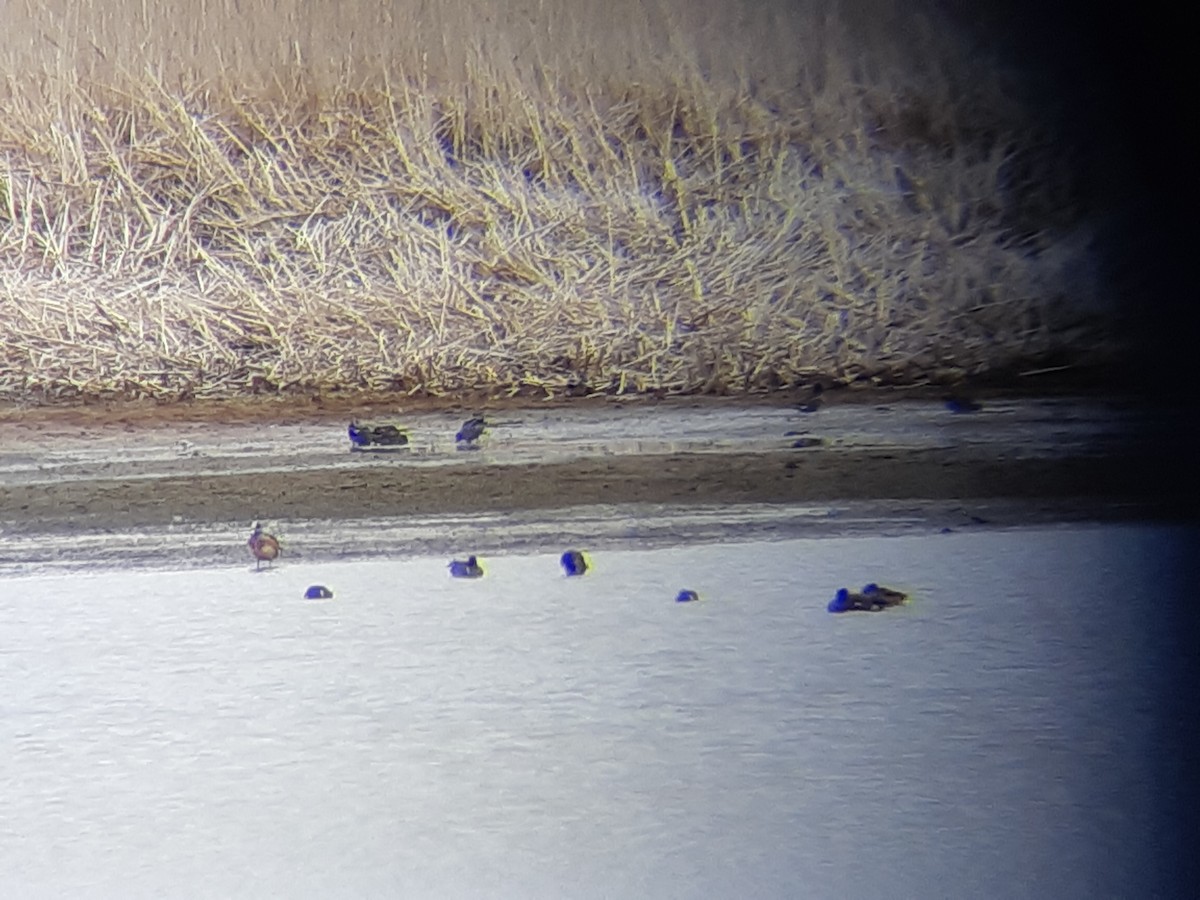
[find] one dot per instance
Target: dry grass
(225, 198)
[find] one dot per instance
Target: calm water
(209, 733)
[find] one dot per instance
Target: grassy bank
(228, 198)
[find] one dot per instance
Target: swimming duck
(318, 592)
(958, 403)
(264, 547)
(471, 431)
(686, 596)
(872, 598)
(574, 562)
(468, 569)
(884, 597)
(382, 435)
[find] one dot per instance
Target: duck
(686, 596)
(574, 562)
(959, 403)
(264, 547)
(468, 569)
(471, 431)
(884, 597)
(362, 436)
(318, 592)
(872, 598)
(390, 436)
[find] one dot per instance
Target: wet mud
(59, 473)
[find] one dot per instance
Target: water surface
(209, 733)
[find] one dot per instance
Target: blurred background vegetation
(221, 198)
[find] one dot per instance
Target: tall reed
(219, 198)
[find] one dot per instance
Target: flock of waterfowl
(389, 437)
(379, 437)
(266, 548)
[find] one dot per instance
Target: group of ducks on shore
(266, 548)
(390, 437)
(364, 437)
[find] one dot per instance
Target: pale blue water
(209, 733)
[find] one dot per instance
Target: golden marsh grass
(223, 198)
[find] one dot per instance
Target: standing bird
(359, 437)
(264, 547)
(574, 562)
(469, 569)
(471, 431)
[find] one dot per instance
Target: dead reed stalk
(267, 206)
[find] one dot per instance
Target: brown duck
(263, 547)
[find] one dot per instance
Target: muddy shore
(89, 469)
(751, 478)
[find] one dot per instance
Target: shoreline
(777, 478)
(387, 491)
(65, 474)
(1066, 381)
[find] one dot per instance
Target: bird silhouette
(872, 598)
(469, 569)
(362, 436)
(883, 597)
(574, 562)
(471, 431)
(264, 547)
